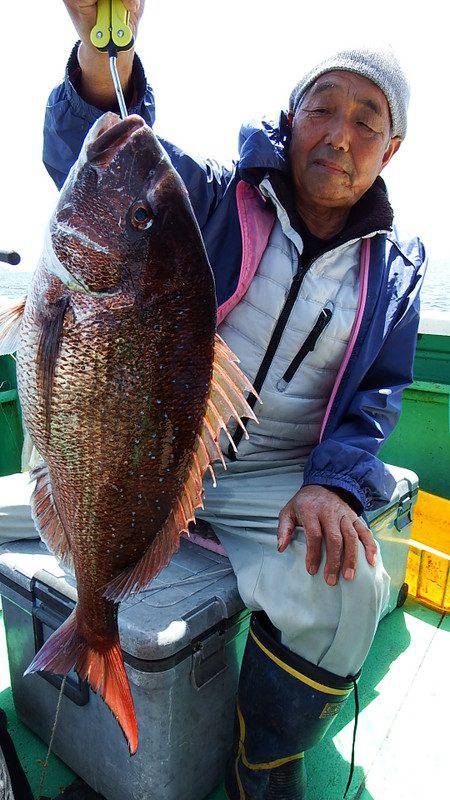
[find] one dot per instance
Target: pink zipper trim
(363, 284)
(256, 223)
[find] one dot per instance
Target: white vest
(291, 415)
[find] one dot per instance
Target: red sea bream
(124, 387)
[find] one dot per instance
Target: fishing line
(52, 736)
(215, 576)
(191, 579)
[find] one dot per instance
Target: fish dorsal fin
(226, 401)
(46, 517)
(11, 316)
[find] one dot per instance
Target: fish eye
(141, 216)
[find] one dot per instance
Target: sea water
(14, 282)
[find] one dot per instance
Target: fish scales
(122, 389)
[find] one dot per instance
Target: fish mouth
(111, 137)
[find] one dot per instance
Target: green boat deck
(401, 752)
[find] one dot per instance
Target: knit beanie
(379, 65)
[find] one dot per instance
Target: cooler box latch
(208, 659)
(404, 513)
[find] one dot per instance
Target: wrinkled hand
(324, 515)
(84, 15)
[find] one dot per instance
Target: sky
(215, 64)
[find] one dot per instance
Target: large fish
(124, 387)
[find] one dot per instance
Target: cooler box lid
(197, 591)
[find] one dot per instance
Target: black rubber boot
(285, 705)
(19, 783)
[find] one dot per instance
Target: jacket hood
(262, 146)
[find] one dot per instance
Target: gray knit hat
(380, 66)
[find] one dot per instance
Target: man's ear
(392, 148)
(290, 117)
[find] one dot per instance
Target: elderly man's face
(340, 139)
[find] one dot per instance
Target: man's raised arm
(95, 85)
(87, 92)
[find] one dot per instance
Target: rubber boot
(16, 776)
(285, 705)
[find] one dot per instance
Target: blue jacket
(367, 403)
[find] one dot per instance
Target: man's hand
(324, 515)
(96, 83)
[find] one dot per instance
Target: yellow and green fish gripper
(111, 31)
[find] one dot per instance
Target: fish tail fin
(67, 649)
(11, 316)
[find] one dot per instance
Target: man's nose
(338, 135)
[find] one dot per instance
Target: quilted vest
(303, 371)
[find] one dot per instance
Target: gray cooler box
(182, 641)
(391, 524)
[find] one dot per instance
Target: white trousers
(15, 515)
(332, 626)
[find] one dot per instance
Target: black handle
(10, 257)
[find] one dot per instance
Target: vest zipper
(271, 350)
(307, 347)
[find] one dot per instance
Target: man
(318, 296)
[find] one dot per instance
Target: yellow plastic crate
(428, 567)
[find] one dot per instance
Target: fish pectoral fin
(11, 316)
(226, 401)
(47, 518)
(50, 340)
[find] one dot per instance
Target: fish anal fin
(67, 649)
(155, 558)
(47, 518)
(11, 316)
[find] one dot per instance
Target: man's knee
(371, 584)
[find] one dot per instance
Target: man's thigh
(332, 626)
(251, 494)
